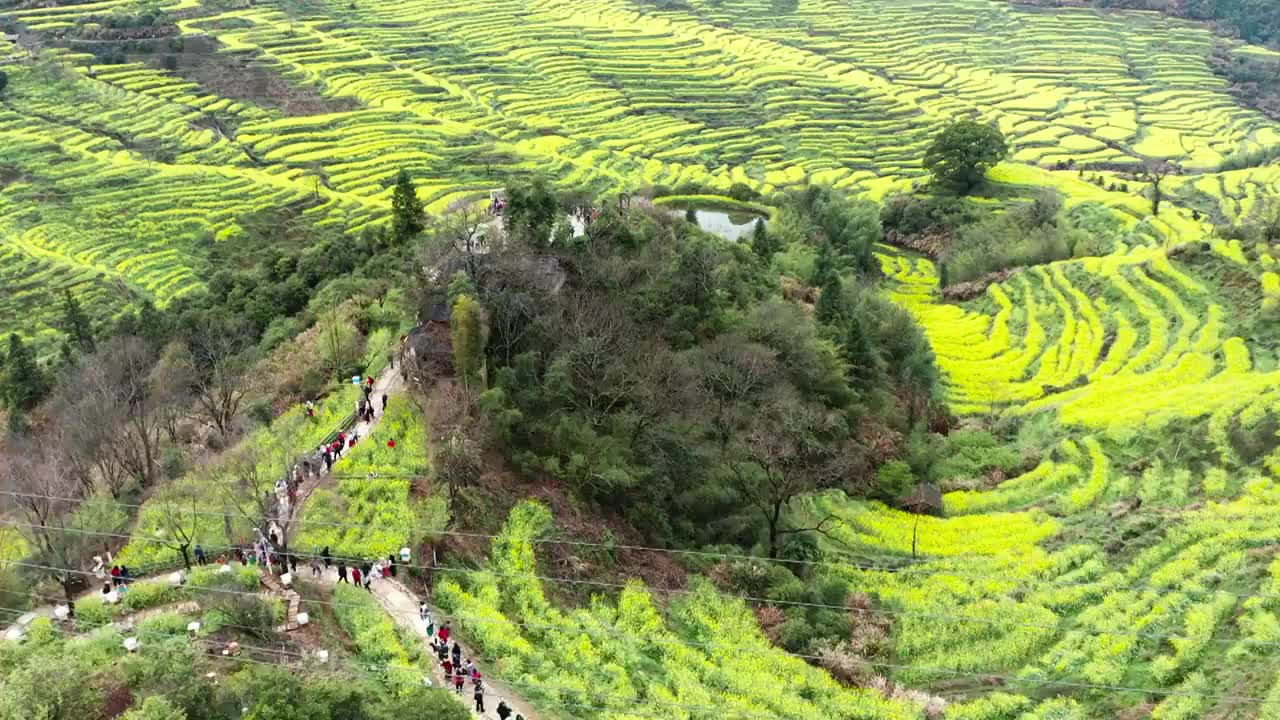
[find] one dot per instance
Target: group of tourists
(456, 671)
(361, 574)
(364, 408)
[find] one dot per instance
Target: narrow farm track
(389, 384)
(402, 605)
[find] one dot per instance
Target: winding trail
(399, 602)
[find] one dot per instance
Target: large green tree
(531, 211)
(23, 384)
(963, 152)
(407, 213)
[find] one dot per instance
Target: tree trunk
(66, 583)
(775, 520)
(186, 559)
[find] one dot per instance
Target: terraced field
(1114, 573)
(1109, 576)
(115, 179)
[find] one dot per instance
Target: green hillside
(1122, 563)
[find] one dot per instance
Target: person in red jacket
(355, 576)
(444, 634)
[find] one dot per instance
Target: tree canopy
(963, 152)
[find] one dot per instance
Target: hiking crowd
(457, 672)
(269, 552)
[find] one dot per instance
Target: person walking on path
(391, 564)
(504, 710)
(457, 653)
(428, 621)
(384, 403)
(115, 575)
(200, 556)
(325, 555)
(448, 670)
(444, 634)
(342, 572)
(355, 576)
(478, 694)
(457, 683)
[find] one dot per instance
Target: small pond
(730, 225)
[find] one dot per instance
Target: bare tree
(1267, 218)
(458, 466)
(46, 502)
(730, 371)
(792, 449)
(175, 507)
(463, 224)
(514, 299)
(599, 335)
(337, 342)
(118, 390)
(218, 373)
(656, 385)
(88, 429)
(173, 372)
(1154, 172)
(247, 488)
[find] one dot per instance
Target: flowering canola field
(1131, 569)
(115, 179)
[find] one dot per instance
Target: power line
(956, 673)
(911, 569)
(765, 601)
(683, 706)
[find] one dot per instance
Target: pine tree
(24, 385)
(831, 303)
(460, 284)
(76, 324)
(151, 324)
(406, 210)
(762, 243)
(863, 363)
(825, 267)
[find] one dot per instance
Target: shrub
(894, 480)
(743, 191)
(254, 616)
